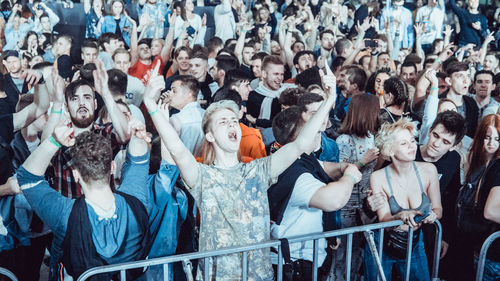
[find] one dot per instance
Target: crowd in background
(172, 128)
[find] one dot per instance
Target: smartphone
(369, 43)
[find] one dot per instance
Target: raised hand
(138, 130)
(430, 74)
(447, 30)
(204, 20)
(64, 135)
(447, 52)
(329, 81)
(155, 85)
(101, 80)
(32, 76)
(419, 28)
(58, 87)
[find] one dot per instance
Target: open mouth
(82, 110)
(232, 136)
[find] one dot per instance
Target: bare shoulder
(426, 168)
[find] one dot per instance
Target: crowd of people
(295, 117)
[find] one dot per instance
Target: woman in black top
(396, 99)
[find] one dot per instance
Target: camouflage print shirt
(235, 212)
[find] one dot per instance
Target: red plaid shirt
(63, 180)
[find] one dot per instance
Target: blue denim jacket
(109, 25)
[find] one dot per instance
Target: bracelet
(354, 180)
(56, 111)
(439, 61)
(153, 112)
(434, 89)
(374, 54)
(53, 140)
(360, 164)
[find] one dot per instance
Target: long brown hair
(362, 116)
(477, 155)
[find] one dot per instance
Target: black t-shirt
(448, 168)
(491, 179)
(6, 135)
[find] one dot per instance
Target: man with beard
(81, 105)
(302, 60)
(325, 51)
(223, 64)
(351, 82)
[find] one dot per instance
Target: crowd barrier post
(482, 255)
(315, 237)
(437, 250)
(8, 273)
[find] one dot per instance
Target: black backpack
(468, 209)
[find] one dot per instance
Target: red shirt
(143, 71)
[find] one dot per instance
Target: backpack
(468, 210)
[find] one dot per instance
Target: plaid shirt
(63, 180)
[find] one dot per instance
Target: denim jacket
(109, 25)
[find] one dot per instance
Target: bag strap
(476, 196)
(285, 248)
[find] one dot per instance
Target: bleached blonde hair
(208, 152)
(384, 140)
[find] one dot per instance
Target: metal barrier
(366, 229)
(8, 273)
(482, 255)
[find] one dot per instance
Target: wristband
(439, 61)
(153, 112)
(374, 54)
(53, 140)
(56, 111)
(434, 89)
(354, 180)
(360, 164)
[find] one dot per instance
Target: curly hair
(385, 137)
(92, 156)
(398, 89)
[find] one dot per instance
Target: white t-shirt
(299, 219)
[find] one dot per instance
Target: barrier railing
(8, 273)
(315, 237)
(482, 255)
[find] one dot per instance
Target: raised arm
(419, 30)
(55, 85)
(166, 51)
(39, 106)
(54, 18)
(305, 141)
(183, 158)
(86, 6)
(119, 120)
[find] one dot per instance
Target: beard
(82, 122)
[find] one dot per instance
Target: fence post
(437, 250)
(349, 256)
(315, 260)
(280, 264)
(245, 265)
(482, 255)
(408, 254)
(375, 254)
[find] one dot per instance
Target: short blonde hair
(384, 139)
(208, 152)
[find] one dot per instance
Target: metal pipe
(482, 255)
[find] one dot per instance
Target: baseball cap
(10, 53)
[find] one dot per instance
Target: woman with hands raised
(232, 195)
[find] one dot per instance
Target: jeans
(419, 269)
(491, 269)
